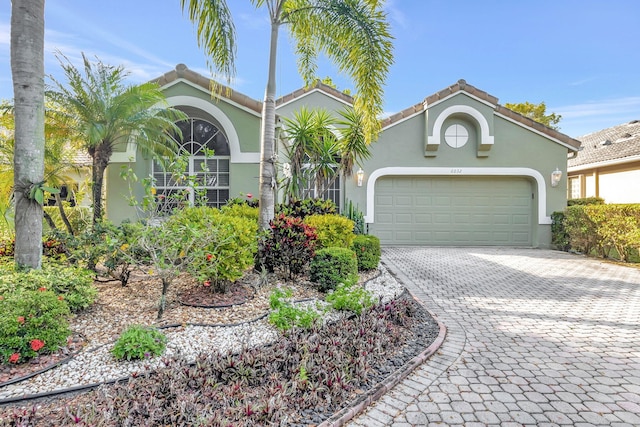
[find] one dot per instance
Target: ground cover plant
(301, 379)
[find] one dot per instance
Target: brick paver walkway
(535, 337)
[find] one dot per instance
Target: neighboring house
(608, 165)
(456, 169)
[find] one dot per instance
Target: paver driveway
(535, 337)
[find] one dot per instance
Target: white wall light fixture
(360, 177)
(556, 176)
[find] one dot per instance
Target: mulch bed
(206, 297)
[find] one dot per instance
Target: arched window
(206, 176)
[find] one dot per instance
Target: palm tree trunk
(63, 214)
(27, 70)
(100, 162)
(49, 220)
(267, 157)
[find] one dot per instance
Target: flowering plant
(14, 358)
(36, 344)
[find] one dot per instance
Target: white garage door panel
(453, 211)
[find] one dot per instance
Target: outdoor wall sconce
(556, 176)
(360, 177)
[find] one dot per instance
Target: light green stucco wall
(403, 145)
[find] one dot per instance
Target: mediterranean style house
(608, 165)
(456, 169)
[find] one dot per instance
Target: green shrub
(31, 323)
(585, 201)
(243, 210)
(332, 230)
(559, 235)
(73, 284)
(352, 212)
(220, 247)
(607, 230)
(332, 266)
(289, 245)
(303, 208)
(367, 249)
(139, 342)
(351, 298)
(285, 315)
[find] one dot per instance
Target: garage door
(464, 211)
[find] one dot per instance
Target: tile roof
(614, 143)
(463, 86)
(181, 71)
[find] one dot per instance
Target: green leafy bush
(332, 266)
(559, 235)
(332, 230)
(31, 323)
(289, 245)
(367, 249)
(604, 229)
(243, 210)
(139, 342)
(74, 285)
(285, 315)
(351, 298)
(585, 201)
(303, 208)
(220, 247)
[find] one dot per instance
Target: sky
(580, 57)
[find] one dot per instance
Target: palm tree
(321, 147)
(105, 113)
(58, 158)
(27, 71)
(354, 34)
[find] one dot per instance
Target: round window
(456, 136)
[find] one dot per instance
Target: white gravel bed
(96, 364)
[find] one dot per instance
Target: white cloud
(5, 34)
(395, 14)
(606, 107)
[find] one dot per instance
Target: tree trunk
(49, 220)
(163, 298)
(63, 214)
(100, 163)
(27, 70)
(268, 139)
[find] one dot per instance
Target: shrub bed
(367, 249)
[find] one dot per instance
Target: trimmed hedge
(332, 266)
(367, 249)
(607, 230)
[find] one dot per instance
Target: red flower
(60, 298)
(21, 320)
(249, 195)
(207, 283)
(14, 358)
(209, 257)
(42, 289)
(36, 345)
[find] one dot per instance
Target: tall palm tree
(354, 34)
(27, 71)
(106, 113)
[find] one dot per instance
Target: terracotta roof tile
(463, 86)
(181, 71)
(614, 143)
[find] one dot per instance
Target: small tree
(537, 112)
